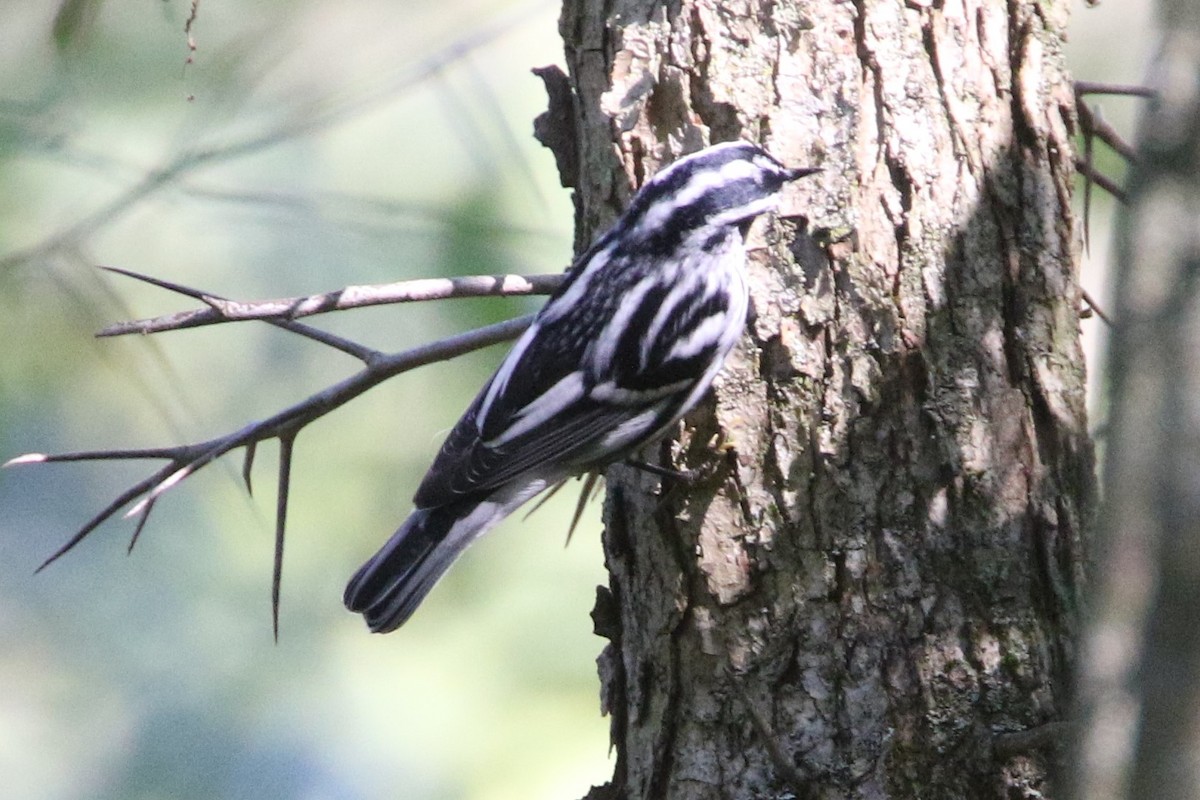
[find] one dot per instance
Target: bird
(626, 345)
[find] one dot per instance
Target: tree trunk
(875, 594)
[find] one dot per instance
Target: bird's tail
(388, 588)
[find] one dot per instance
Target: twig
(1104, 182)
(141, 523)
(361, 352)
(185, 460)
(590, 484)
(1085, 118)
(292, 308)
(1092, 127)
(187, 31)
(1093, 87)
(1095, 307)
(137, 490)
(1094, 123)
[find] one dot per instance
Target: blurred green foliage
(316, 150)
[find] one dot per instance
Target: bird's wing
(548, 410)
(589, 382)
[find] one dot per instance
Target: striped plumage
(620, 352)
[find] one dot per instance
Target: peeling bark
(877, 586)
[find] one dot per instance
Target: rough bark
(875, 594)
(1141, 677)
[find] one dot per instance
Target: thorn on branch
(1088, 151)
(281, 503)
(185, 461)
(27, 458)
(215, 303)
(1093, 126)
(180, 453)
(590, 484)
(129, 494)
(174, 479)
(141, 523)
(248, 466)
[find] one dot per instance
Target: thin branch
(129, 494)
(1101, 180)
(287, 309)
(361, 352)
(98, 455)
(1092, 122)
(351, 348)
(1086, 119)
(184, 461)
(1093, 126)
(1093, 87)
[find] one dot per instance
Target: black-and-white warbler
(620, 352)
